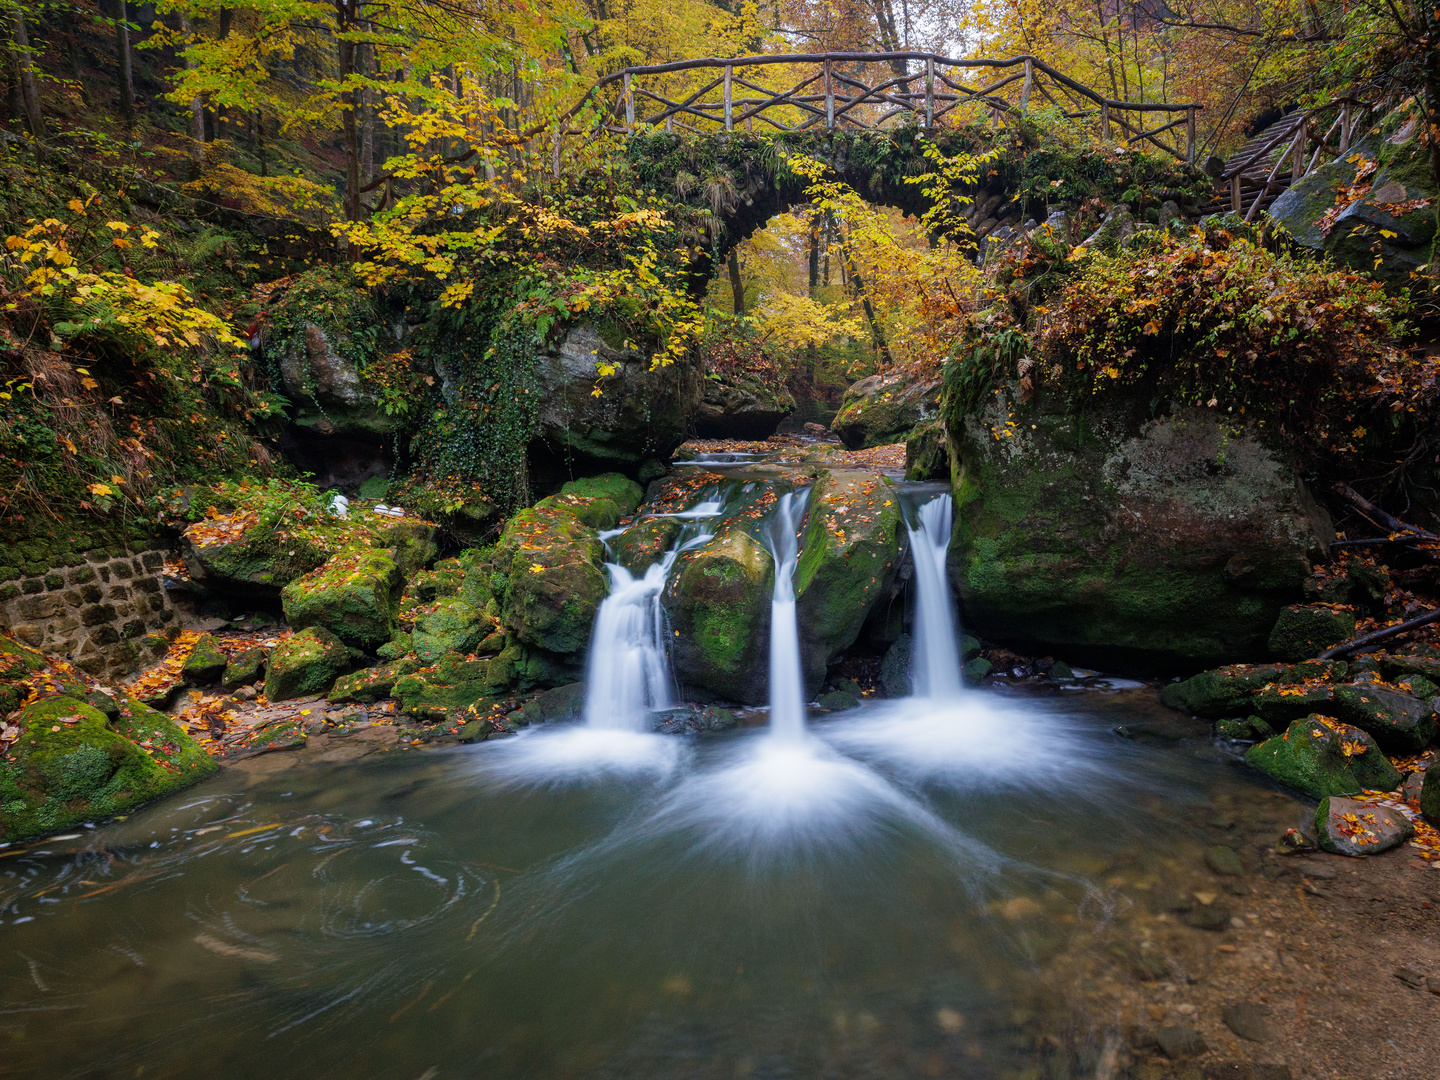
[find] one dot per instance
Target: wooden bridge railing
(844, 90)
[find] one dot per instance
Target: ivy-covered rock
(373, 683)
(1160, 543)
(205, 664)
(355, 595)
(307, 663)
(640, 413)
(555, 582)
(1346, 827)
(1321, 756)
(849, 552)
(718, 601)
(243, 668)
(71, 765)
(1303, 630)
(885, 409)
(742, 406)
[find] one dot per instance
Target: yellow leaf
(76, 205)
(89, 384)
(536, 568)
(100, 489)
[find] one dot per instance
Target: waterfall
(935, 649)
(627, 674)
(787, 693)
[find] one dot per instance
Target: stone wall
(106, 611)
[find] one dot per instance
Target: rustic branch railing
(831, 91)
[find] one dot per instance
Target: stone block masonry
(106, 612)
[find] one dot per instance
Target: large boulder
(598, 501)
(1320, 756)
(640, 413)
(248, 559)
(718, 601)
(553, 563)
(1157, 544)
(307, 663)
(849, 553)
(885, 409)
(1304, 630)
(355, 595)
(1373, 208)
(69, 763)
(1402, 724)
(1346, 827)
(742, 407)
(1227, 691)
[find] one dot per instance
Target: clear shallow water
(888, 896)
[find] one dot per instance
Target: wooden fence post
(929, 92)
(1344, 126)
(829, 99)
(1297, 165)
(1025, 89)
(629, 105)
(729, 120)
(1190, 136)
(1235, 193)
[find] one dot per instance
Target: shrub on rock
(307, 663)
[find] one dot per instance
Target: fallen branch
(1345, 648)
(1393, 523)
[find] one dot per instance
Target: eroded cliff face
(1157, 543)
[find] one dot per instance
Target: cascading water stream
(935, 652)
(627, 675)
(787, 690)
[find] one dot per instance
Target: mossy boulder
(71, 765)
(307, 663)
(411, 544)
(1116, 538)
(598, 501)
(1347, 827)
(849, 552)
(1321, 756)
(243, 668)
(17, 662)
(1225, 691)
(456, 682)
(1430, 796)
(555, 581)
(1387, 228)
(718, 601)
(205, 664)
(257, 562)
(1303, 630)
(373, 683)
(884, 409)
(450, 624)
(645, 543)
(895, 668)
(355, 595)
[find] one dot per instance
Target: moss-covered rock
(373, 683)
(849, 552)
(450, 624)
(243, 668)
(307, 663)
(742, 407)
(17, 662)
(1225, 691)
(1321, 756)
(885, 409)
(411, 543)
(205, 664)
(456, 682)
(71, 765)
(895, 668)
(257, 562)
(1124, 540)
(555, 582)
(1430, 796)
(1400, 723)
(1346, 827)
(355, 595)
(598, 501)
(718, 601)
(1303, 630)
(645, 543)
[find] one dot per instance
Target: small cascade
(935, 652)
(787, 691)
(627, 674)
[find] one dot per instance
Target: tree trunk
(72, 53)
(197, 113)
(345, 23)
(25, 64)
(814, 254)
(126, 75)
(737, 287)
(260, 142)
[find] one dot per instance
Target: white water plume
(627, 674)
(787, 689)
(935, 654)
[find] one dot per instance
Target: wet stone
(1248, 1019)
(1348, 827)
(1223, 860)
(1207, 917)
(1179, 1041)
